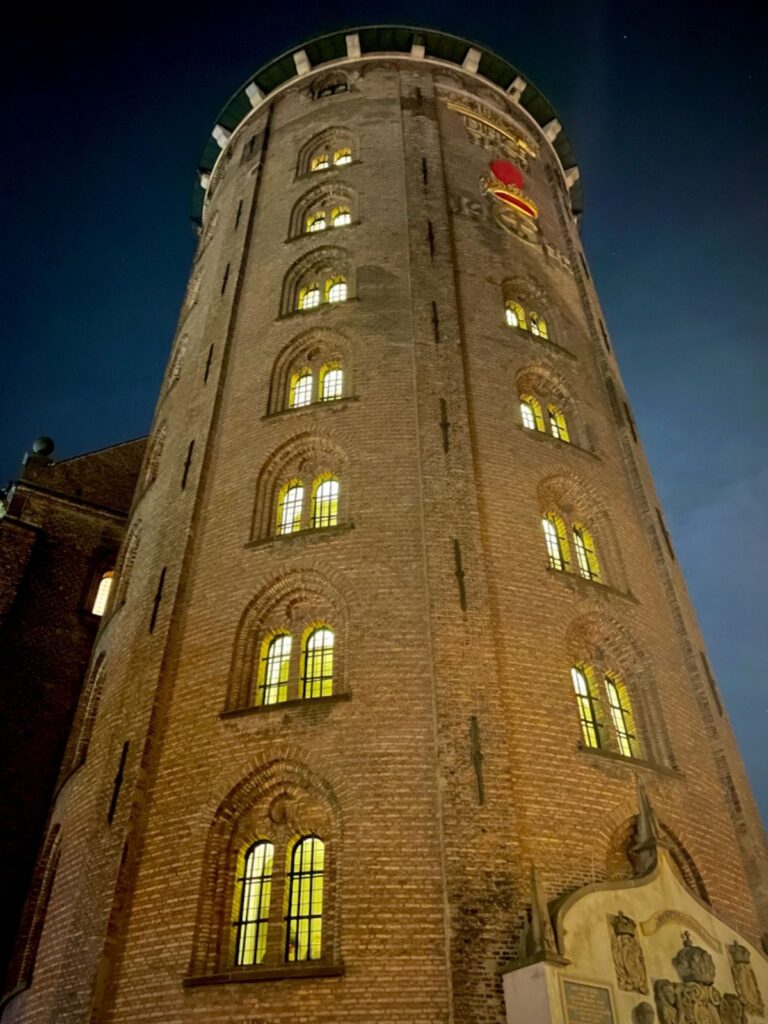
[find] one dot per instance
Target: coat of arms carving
(628, 957)
(744, 979)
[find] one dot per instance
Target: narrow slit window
(301, 388)
(317, 674)
(515, 315)
(289, 507)
(557, 544)
(336, 289)
(309, 296)
(331, 382)
(255, 892)
(586, 557)
(99, 605)
(588, 705)
(622, 717)
(275, 669)
(325, 502)
(557, 425)
(304, 920)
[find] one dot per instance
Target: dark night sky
(667, 107)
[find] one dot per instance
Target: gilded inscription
(587, 1004)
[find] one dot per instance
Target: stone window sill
(311, 534)
(321, 308)
(560, 349)
(282, 973)
(305, 703)
(542, 435)
(320, 176)
(336, 403)
(325, 233)
(630, 762)
(577, 582)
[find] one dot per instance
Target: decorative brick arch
(322, 263)
(296, 596)
(85, 717)
(328, 194)
(313, 348)
(544, 382)
(125, 564)
(331, 139)
(280, 799)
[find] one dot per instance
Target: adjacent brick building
(397, 624)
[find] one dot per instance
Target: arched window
(315, 221)
(300, 388)
(538, 325)
(588, 702)
(557, 425)
(336, 289)
(275, 669)
(530, 411)
(557, 542)
(304, 919)
(325, 502)
(515, 315)
(320, 161)
(99, 605)
(290, 500)
(317, 669)
(586, 559)
(255, 885)
(331, 382)
(309, 296)
(622, 717)
(155, 454)
(341, 217)
(342, 156)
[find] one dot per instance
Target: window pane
(336, 290)
(538, 325)
(621, 715)
(304, 920)
(275, 667)
(342, 156)
(320, 162)
(529, 420)
(102, 594)
(309, 297)
(325, 504)
(332, 384)
(318, 663)
(255, 891)
(585, 699)
(553, 534)
(557, 425)
(301, 389)
(585, 553)
(515, 315)
(289, 509)
(341, 216)
(316, 221)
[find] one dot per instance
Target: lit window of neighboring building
(304, 918)
(588, 704)
(289, 505)
(317, 672)
(255, 885)
(99, 605)
(556, 541)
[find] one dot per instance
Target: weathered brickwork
(449, 759)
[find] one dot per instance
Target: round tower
(399, 656)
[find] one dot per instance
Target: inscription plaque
(587, 1004)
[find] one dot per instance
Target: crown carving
(693, 963)
(623, 925)
(739, 953)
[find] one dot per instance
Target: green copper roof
(379, 39)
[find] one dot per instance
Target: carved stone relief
(744, 979)
(628, 957)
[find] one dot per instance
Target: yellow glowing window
(309, 296)
(255, 884)
(289, 504)
(320, 162)
(317, 672)
(622, 717)
(586, 558)
(515, 315)
(342, 156)
(99, 605)
(335, 289)
(274, 669)
(331, 382)
(530, 411)
(557, 426)
(304, 920)
(556, 540)
(340, 217)
(538, 325)
(325, 502)
(300, 392)
(588, 704)
(316, 221)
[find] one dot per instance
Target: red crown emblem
(506, 184)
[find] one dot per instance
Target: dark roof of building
(377, 39)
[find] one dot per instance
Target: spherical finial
(43, 445)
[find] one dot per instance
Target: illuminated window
(538, 325)
(335, 289)
(317, 672)
(515, 315)
(622, 717)
(556, 540)
(586, 558)
(589, 705)
(99, 605)
(342, 156)
(340, 217)
(304, 920)
(331, 382)
(316, 221)
(309, 296)
(255, 891)
(301, 388)
(275, 668)
(325, 502)
(289, 505)
(319, 162)
(557, 426)
(530, 410)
